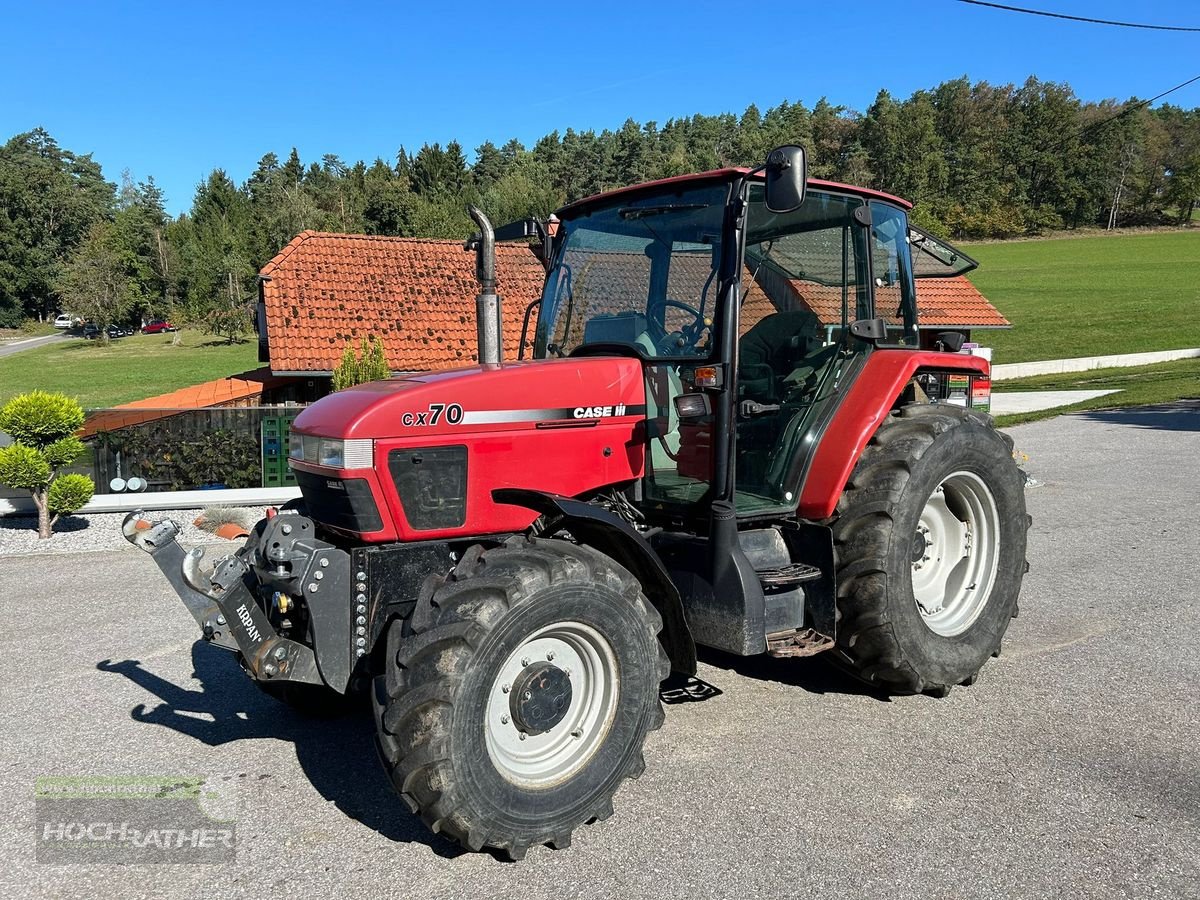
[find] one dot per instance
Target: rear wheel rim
(541, 760)
(955, 552)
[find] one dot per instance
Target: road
(30, 343)
(1071, 769)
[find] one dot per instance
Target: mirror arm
(525, 327)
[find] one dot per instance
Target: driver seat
(769, 351)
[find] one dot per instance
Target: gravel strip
(99, 531)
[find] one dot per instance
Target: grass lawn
(1092, 296)
(127, 369)
(1140, 386)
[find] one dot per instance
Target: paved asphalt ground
(29, 343)
(1072, 769)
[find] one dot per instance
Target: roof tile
(417, 296)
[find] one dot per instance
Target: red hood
(508, 396)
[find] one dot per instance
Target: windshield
(637, 273)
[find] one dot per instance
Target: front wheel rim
(955, 554)
(571, 654)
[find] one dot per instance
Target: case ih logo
(598, 412)
(453, 414)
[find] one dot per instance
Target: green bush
(369, 364)
(38, 418)
(68, 493)
(43, 426)
(23, 468)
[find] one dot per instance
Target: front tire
(930, 544)
(537, 637)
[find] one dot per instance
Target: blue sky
(174, 90)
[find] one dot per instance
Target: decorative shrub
(43, 426)
(369, 364)
(214, 517)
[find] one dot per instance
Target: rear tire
(458, 677)
(930, 546)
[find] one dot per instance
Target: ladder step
(794, 573)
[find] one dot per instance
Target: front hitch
(222, 603)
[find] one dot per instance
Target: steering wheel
(685, 339)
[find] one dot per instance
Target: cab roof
(727, 174)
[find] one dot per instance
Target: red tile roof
(946, 302)
(221, 392)
(941, 302)
(416, 295)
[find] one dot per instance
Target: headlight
(355, 453)
(331, 453)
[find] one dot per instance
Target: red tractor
(727, 434)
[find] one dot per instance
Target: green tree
(369, 364)
(435, 169)
(49, 200)
(218, 259)
(43, 426)
(489, 166)
(387, 201)
(95, 281)
(139, 232)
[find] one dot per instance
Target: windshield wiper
(643, 212)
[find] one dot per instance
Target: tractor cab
(742, 311)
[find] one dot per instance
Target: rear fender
(615, 538)
(862, 410)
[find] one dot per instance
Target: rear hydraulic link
(222, 604)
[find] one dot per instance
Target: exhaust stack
(487, 303)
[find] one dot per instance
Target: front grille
(432, 484)
(342, 503)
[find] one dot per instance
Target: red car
(158, 326)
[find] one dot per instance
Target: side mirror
(787, 178)
(951, 341)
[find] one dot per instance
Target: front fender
(615, 538)
(859, 416)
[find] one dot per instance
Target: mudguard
(612, 536)
(859, 416)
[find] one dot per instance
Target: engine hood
(509, 396)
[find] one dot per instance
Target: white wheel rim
(545, 759)
(955, 552)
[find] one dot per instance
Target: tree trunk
(42, 503)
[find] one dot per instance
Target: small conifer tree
(42, 426)
(368, 364)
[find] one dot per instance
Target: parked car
(158, 326)
(91, 330)
(64, 320)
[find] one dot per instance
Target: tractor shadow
(815, 674)
(1182, 415)
(323, 744)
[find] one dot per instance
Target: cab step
(800, 642)
(788, 575)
